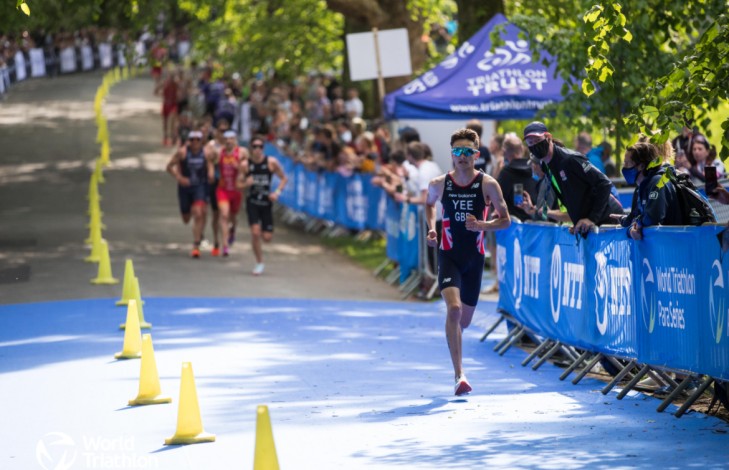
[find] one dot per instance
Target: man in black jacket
(583, 190)
(516, 171)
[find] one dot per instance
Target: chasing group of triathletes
(211, 168)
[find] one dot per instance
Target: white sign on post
(394, 48)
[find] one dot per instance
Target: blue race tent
(474, 82)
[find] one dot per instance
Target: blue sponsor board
(663, 300)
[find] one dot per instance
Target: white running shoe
(462, 386)
(258, 270)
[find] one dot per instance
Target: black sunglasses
(194, 138)
(257, 146)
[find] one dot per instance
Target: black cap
(535, 128)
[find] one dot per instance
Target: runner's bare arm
(242, 182)
(435, 193)
(210, 161)
(173, 166)
(275, 168)
(492, 192)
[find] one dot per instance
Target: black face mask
(540, 149)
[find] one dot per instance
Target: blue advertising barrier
(408, 241)
(662, 301)
(355, 203)
(352, 202)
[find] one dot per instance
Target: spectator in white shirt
(353, 106)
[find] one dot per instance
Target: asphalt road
(47, 150)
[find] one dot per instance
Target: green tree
(640, 67)
(288, 37)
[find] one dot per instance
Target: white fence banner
(105, 57)
(87, 58)
(37, 62)
(68, 60)
(20, 73)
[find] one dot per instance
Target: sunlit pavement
(348, 384)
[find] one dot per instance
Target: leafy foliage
(290, 37)
(644, 66)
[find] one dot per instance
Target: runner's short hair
(464, 133)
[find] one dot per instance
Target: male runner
(465, 193)
(229, 197)
(258, 171)
(192, 167)
(214, 147)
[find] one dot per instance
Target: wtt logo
(717, 313)
(648, 301)
(526, 275)
(566, 282)
(612, 287)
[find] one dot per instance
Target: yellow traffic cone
(105, 152)
(94, 223)
(96, 240)
(99, 171)
(265, 456)
(102, 124)
(150, 392)
(93, 188)
(128, 287)
(137, 295)
(189, 424)
(132, 336)
(104, 274)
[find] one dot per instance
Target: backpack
(695, 209)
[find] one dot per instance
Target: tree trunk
(474, 14)
(386, 14)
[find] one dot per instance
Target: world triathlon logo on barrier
(648, 296)
(717, 312)
(613, 285)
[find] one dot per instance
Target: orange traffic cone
(138, 297)
(189, 424)
(150, 392)
(104, 274)
(265, 456)
(132, 347)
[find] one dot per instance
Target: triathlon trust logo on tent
(514, 53)
(648, 296)
(717, 312)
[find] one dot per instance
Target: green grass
(369, 254)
